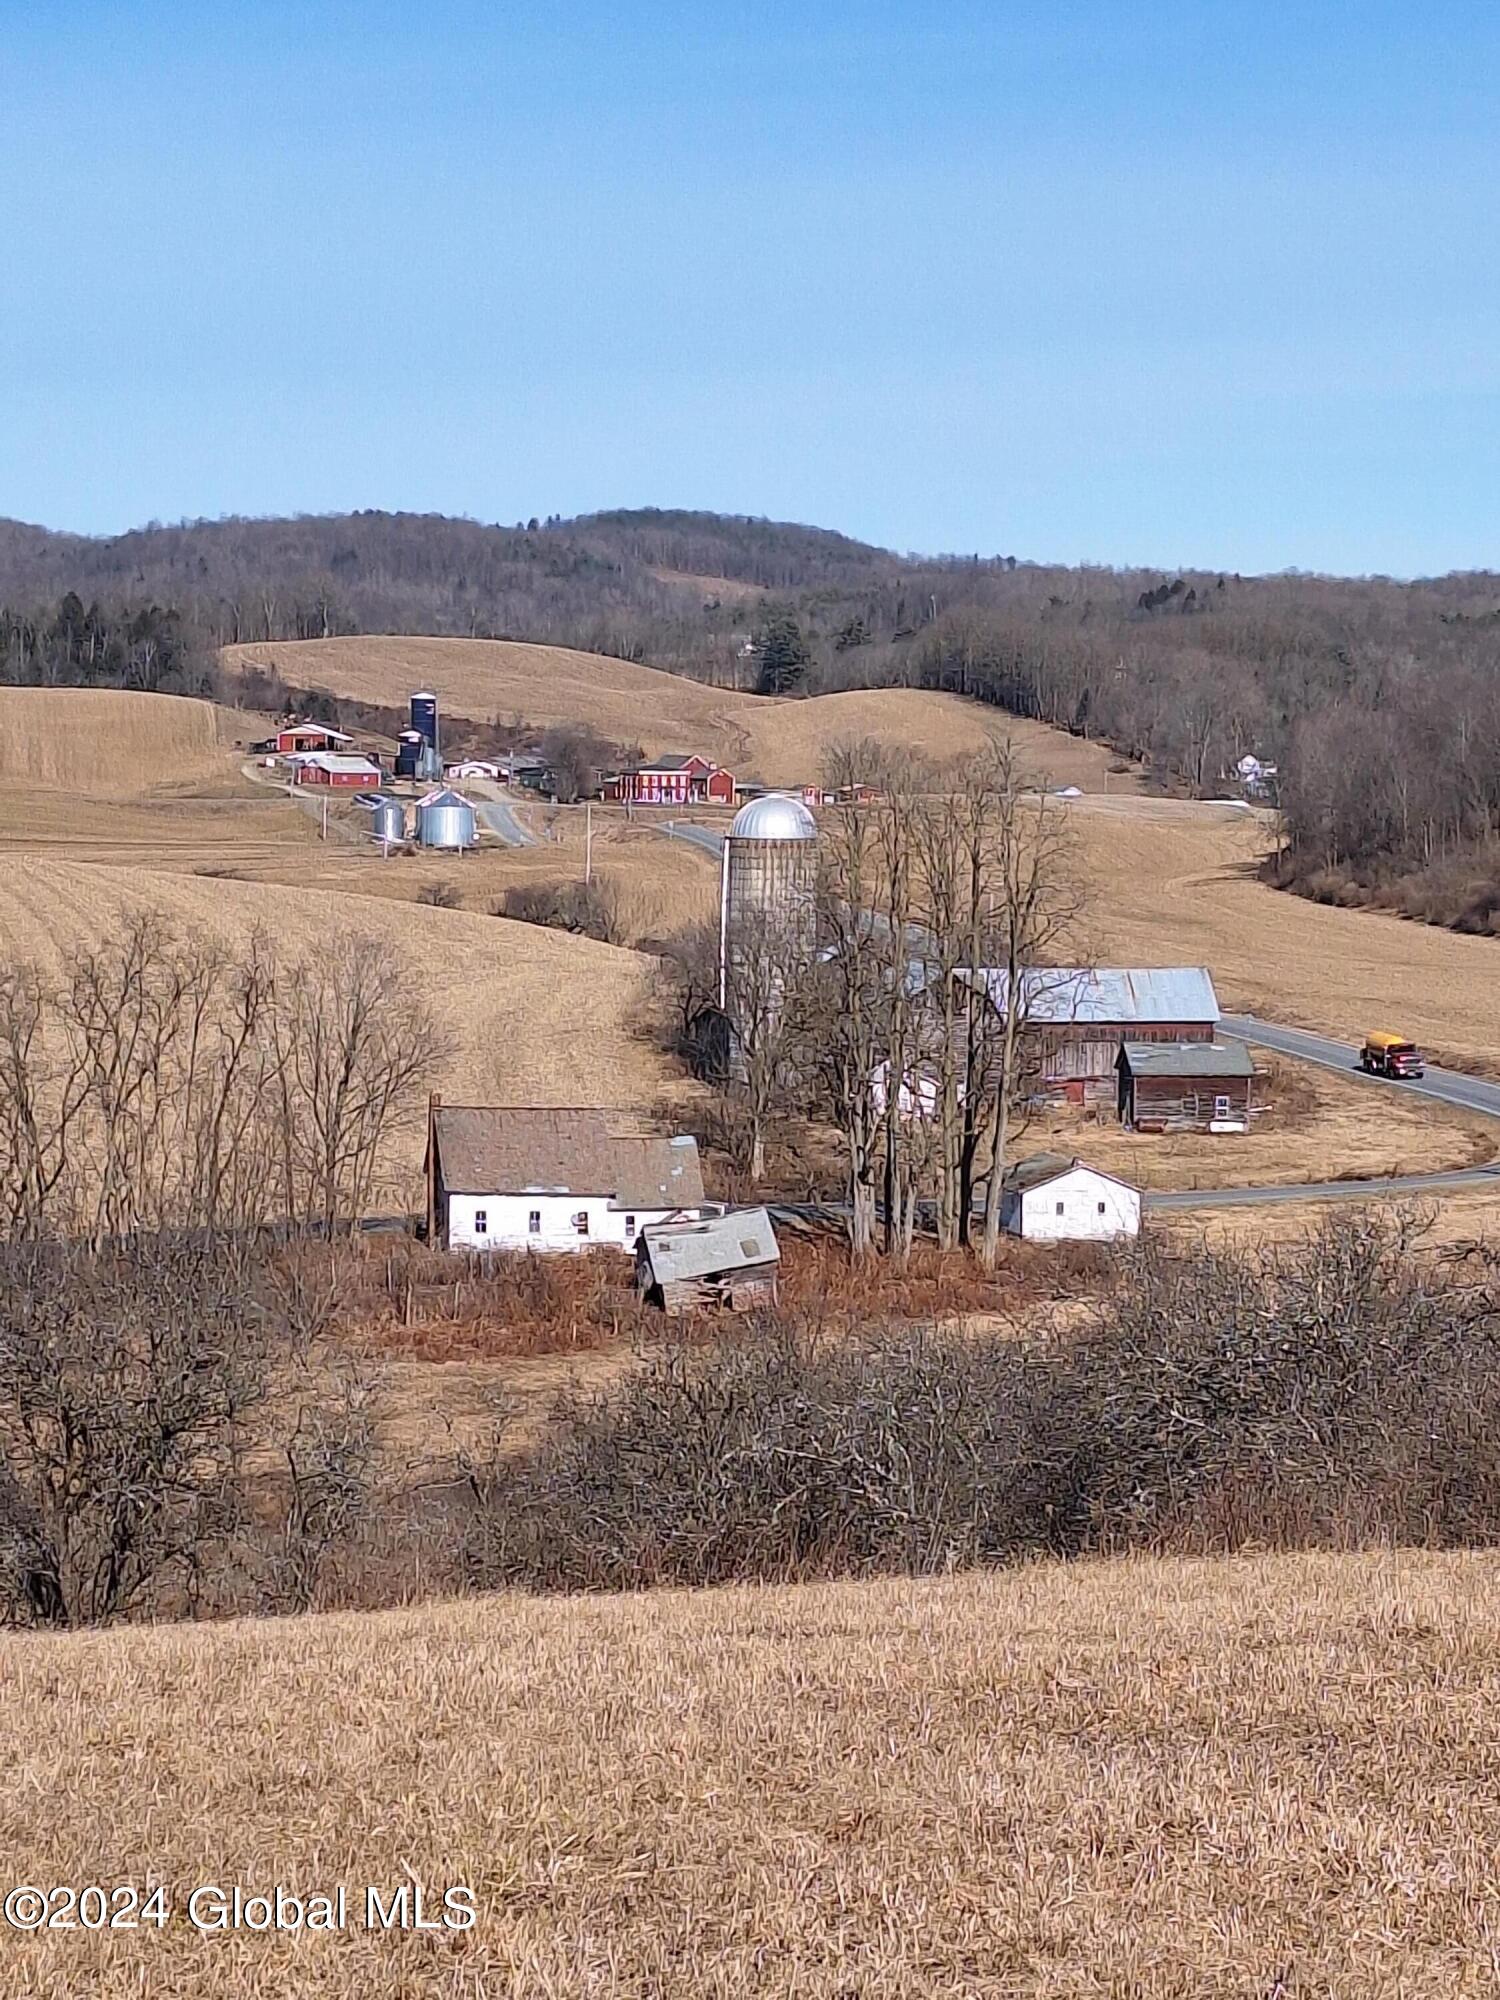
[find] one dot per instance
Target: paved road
(1470, 1093)
(498, 818)
(1412, 1186)
(699, 836)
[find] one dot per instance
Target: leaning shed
(1185, 1086)
(1076, 1017)
(729, 1260)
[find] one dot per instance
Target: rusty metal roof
(1187, 1059)
(1112, 996)
(531, 1149)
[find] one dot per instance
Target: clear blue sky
(1121, 282)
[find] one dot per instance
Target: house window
(534, 1223)
(1101, 1208)
(1060, 1207)
(581, 1222)
(481, 1222)
(630, 1228)
(1221, 1107)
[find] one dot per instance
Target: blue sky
(1210, 284)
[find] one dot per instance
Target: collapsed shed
(728, 1260)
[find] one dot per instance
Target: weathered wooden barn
(728, 1260)
(1185, 1086)
(1076, 1017)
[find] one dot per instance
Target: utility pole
(325, 818)
(588, 841)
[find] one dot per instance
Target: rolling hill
(108, 743)
(775, 741)
(1257, 1777)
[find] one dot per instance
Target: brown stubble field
(779, 742)
(1246, 1777)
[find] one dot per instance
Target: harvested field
(776, 741)
(1248, 1777)
(1174, 883)
(537, 1017)
(113, 744)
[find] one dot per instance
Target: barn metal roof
(735, 1242)
(1188, 1059)
(531, 1149)
(1112, 996)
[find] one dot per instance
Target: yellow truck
(1390, 1055)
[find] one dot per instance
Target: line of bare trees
(161, 1082)
(886, 1032)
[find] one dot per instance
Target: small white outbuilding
(1049, 1198)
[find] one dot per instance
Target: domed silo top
(773, 817)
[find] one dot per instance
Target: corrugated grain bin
(388, 821)
(446, 820)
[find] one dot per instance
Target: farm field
(1244, 1776)
(535, 1016)
(1174, 883)
(774, 741)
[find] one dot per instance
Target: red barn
(675, 781)
(326, 768)
(303, 736)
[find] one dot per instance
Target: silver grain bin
(424, 716)
(429, 766)
(446, 820)
(388, 821)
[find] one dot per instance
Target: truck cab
(1390, 1055)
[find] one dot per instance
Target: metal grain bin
(446, 820)
(388, 821)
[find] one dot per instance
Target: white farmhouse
(1049, 1198)
(502, 1177)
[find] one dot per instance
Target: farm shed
(527, 1177)
(674, 781)
(302, 736)
(1185, 1086)
(328, 767)
(1076, 1018)
(726, 1260)
(1048, 1198)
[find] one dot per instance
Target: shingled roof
(531, 1149)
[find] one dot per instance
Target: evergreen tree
(783, 654)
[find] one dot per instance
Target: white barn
(1049, 1198)
(503, 1177)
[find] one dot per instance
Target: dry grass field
(777, 742)
(112, 744)
(536, 1016)
(1174, 883)
(1261, 1779)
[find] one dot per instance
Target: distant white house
(502, 1177)
(1049, 1198)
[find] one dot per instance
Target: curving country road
(496, 815)
(1447, 1086)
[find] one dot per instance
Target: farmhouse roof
(739, 1241)
(334, 761)
(1187, 1059)
(1037, 1169)
(670, 763)
(1109, 995)
(527, 1149)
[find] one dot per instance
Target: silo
(388, 820)
(409, 747)
(446, 820)
(424, 716)
(767, 887)
(429, 765)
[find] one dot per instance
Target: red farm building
(344, 773)
(675, 781)
(293, 736)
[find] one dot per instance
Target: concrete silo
(446, 820)
(767, 886)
